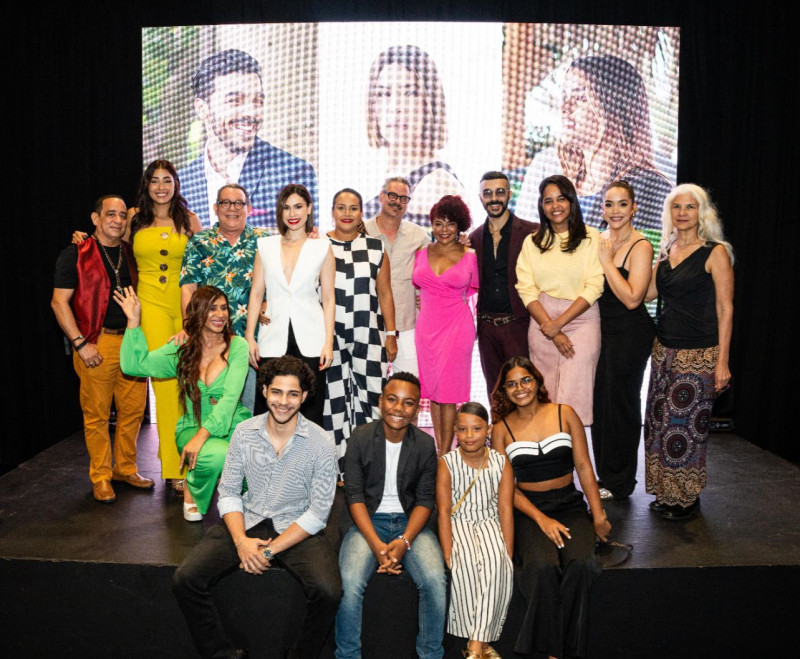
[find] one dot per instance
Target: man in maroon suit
(502, 318)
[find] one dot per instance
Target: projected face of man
(582, 123)
(233, 112)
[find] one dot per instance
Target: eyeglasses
(393, 196)
(500, 192)
(225, 204)
(525, 382)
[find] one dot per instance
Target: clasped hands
(390, 557)
(251, 558)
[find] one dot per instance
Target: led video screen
(335, 105)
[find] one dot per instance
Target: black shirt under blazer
(520, 229)
(365, 468)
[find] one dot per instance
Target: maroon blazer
(520, 229)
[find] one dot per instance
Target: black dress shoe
(679, 513)
(658, 507)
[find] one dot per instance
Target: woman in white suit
(298, 277)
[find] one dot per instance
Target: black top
(536, 462)
(688, 317)
(613, 312)
(494, 271)
(365, 468)
(66, 276)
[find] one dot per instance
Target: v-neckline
(294, 269)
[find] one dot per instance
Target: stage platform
(80, 579)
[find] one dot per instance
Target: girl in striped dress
(475, 496)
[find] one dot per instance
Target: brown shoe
(103, 492)
(134, 480)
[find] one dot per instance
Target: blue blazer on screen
(266, 170)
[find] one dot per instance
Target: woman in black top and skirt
(693, 279)
(627, 333)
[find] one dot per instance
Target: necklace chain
(116, 268)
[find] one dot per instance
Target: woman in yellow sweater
(559, 280)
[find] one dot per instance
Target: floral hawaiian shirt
(210, 260)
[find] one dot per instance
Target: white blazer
(298, 301)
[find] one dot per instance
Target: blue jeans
(425, 566)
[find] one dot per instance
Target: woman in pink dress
(446, 273)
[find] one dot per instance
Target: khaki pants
(98, 386)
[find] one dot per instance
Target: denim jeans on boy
(424, 564)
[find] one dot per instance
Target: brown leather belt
(115, 332)
(498, 320)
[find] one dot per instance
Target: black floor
(53, 535)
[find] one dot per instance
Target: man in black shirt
(86, 277)
(502, 318)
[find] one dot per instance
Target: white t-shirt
(390, 503)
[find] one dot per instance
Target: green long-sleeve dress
(220, 408)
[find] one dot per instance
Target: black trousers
(312, 562)
(617, 426)
(555, 582)
(313, 406)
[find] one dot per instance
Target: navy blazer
(266, 170)
(520, 229)
(365, 468)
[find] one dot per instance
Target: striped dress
(481, 572)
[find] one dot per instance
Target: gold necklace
(116, 268)
(620, 243)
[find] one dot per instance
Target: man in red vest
(86, 276)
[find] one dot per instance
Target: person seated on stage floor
(85, 277)
(211, 368)
(390, 482)
(289, 464)
(475, 498)
(553, 534)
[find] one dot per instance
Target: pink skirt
(569, 381)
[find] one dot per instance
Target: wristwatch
(394, 333)
(267, 553)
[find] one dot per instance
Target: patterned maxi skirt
(679, 403)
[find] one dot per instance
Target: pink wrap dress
(445, 329)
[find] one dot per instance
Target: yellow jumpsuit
(159, 253)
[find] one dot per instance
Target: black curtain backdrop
(75, 96)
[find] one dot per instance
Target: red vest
(90, 299)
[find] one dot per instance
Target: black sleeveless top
(616, 318)
(534, 462)
(689, 302)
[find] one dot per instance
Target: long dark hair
(501, 403)
(191, 352)
(576, 229)
(178, 208)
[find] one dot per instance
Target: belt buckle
(503, 320)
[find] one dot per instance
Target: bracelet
(78, 348)
(404, 539)
(77, 338)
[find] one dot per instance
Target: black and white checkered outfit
(356, 375)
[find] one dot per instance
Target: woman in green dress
(211, 368)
